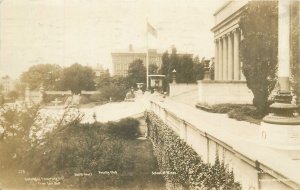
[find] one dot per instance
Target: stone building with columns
(227, 38)
(229, 84)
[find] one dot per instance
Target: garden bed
(240, 112)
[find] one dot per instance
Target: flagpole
(147, 56)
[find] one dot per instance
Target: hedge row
(182, 166)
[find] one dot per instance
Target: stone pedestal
(285, 138)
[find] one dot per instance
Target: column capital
(236, 30)
(228, 34)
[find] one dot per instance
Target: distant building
(6, 84)
(122, 59)
(99, 70)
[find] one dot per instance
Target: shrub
(47, 98)
(126, 128)
(223, 108)
(97, 98)
(84, 100)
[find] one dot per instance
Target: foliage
(72, 148)
(88, 149)
(185, 70)
(188, 169)
(136, 73)
(198, 68)
(245, 114)
(114, 87)
(47, 75)
(103, 80)
(295, 44)
(188, 70)
(117, 89)
(84, 100)
(77, 78)
(16, 125)
(13, 95)
(153, 69)
(240, 112)
(259, 24)
(164, 69)
(47, 98)
(125, 128)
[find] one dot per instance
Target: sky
(87, 31)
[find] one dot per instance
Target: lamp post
(281, 128)
(283, 109)
(174, 76)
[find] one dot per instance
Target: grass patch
(139, 175)
(240, 112)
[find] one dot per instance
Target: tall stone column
(225, 66)
(230, 57)
(236, 59)
(220, 59)
(216, 60)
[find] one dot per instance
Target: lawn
(139, 174)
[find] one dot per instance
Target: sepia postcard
(149, 94)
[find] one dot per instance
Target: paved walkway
(108, 112)
(242, 136)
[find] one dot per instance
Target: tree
(136, 72)
(153, 69)
(259, 23)
(173, 63)
(77, 78)
(47, 75)
(13, 95)
(103, 80)
(185, 70)
(165, 66)
(184, 66)
(198, 68)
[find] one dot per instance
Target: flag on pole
(151, 30)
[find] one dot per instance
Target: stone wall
(250, 173)
(222, 92)
(177, 89)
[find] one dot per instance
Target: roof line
(223, 7)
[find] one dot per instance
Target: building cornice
(228, 19)
(223, 7)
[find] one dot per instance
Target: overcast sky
(86, 31)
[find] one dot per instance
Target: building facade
(122, 59)
(229, 84)
(228, 35)
(99, 70)
(6, 85)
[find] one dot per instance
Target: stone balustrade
(248, 171)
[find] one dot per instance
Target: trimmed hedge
(186, 168)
